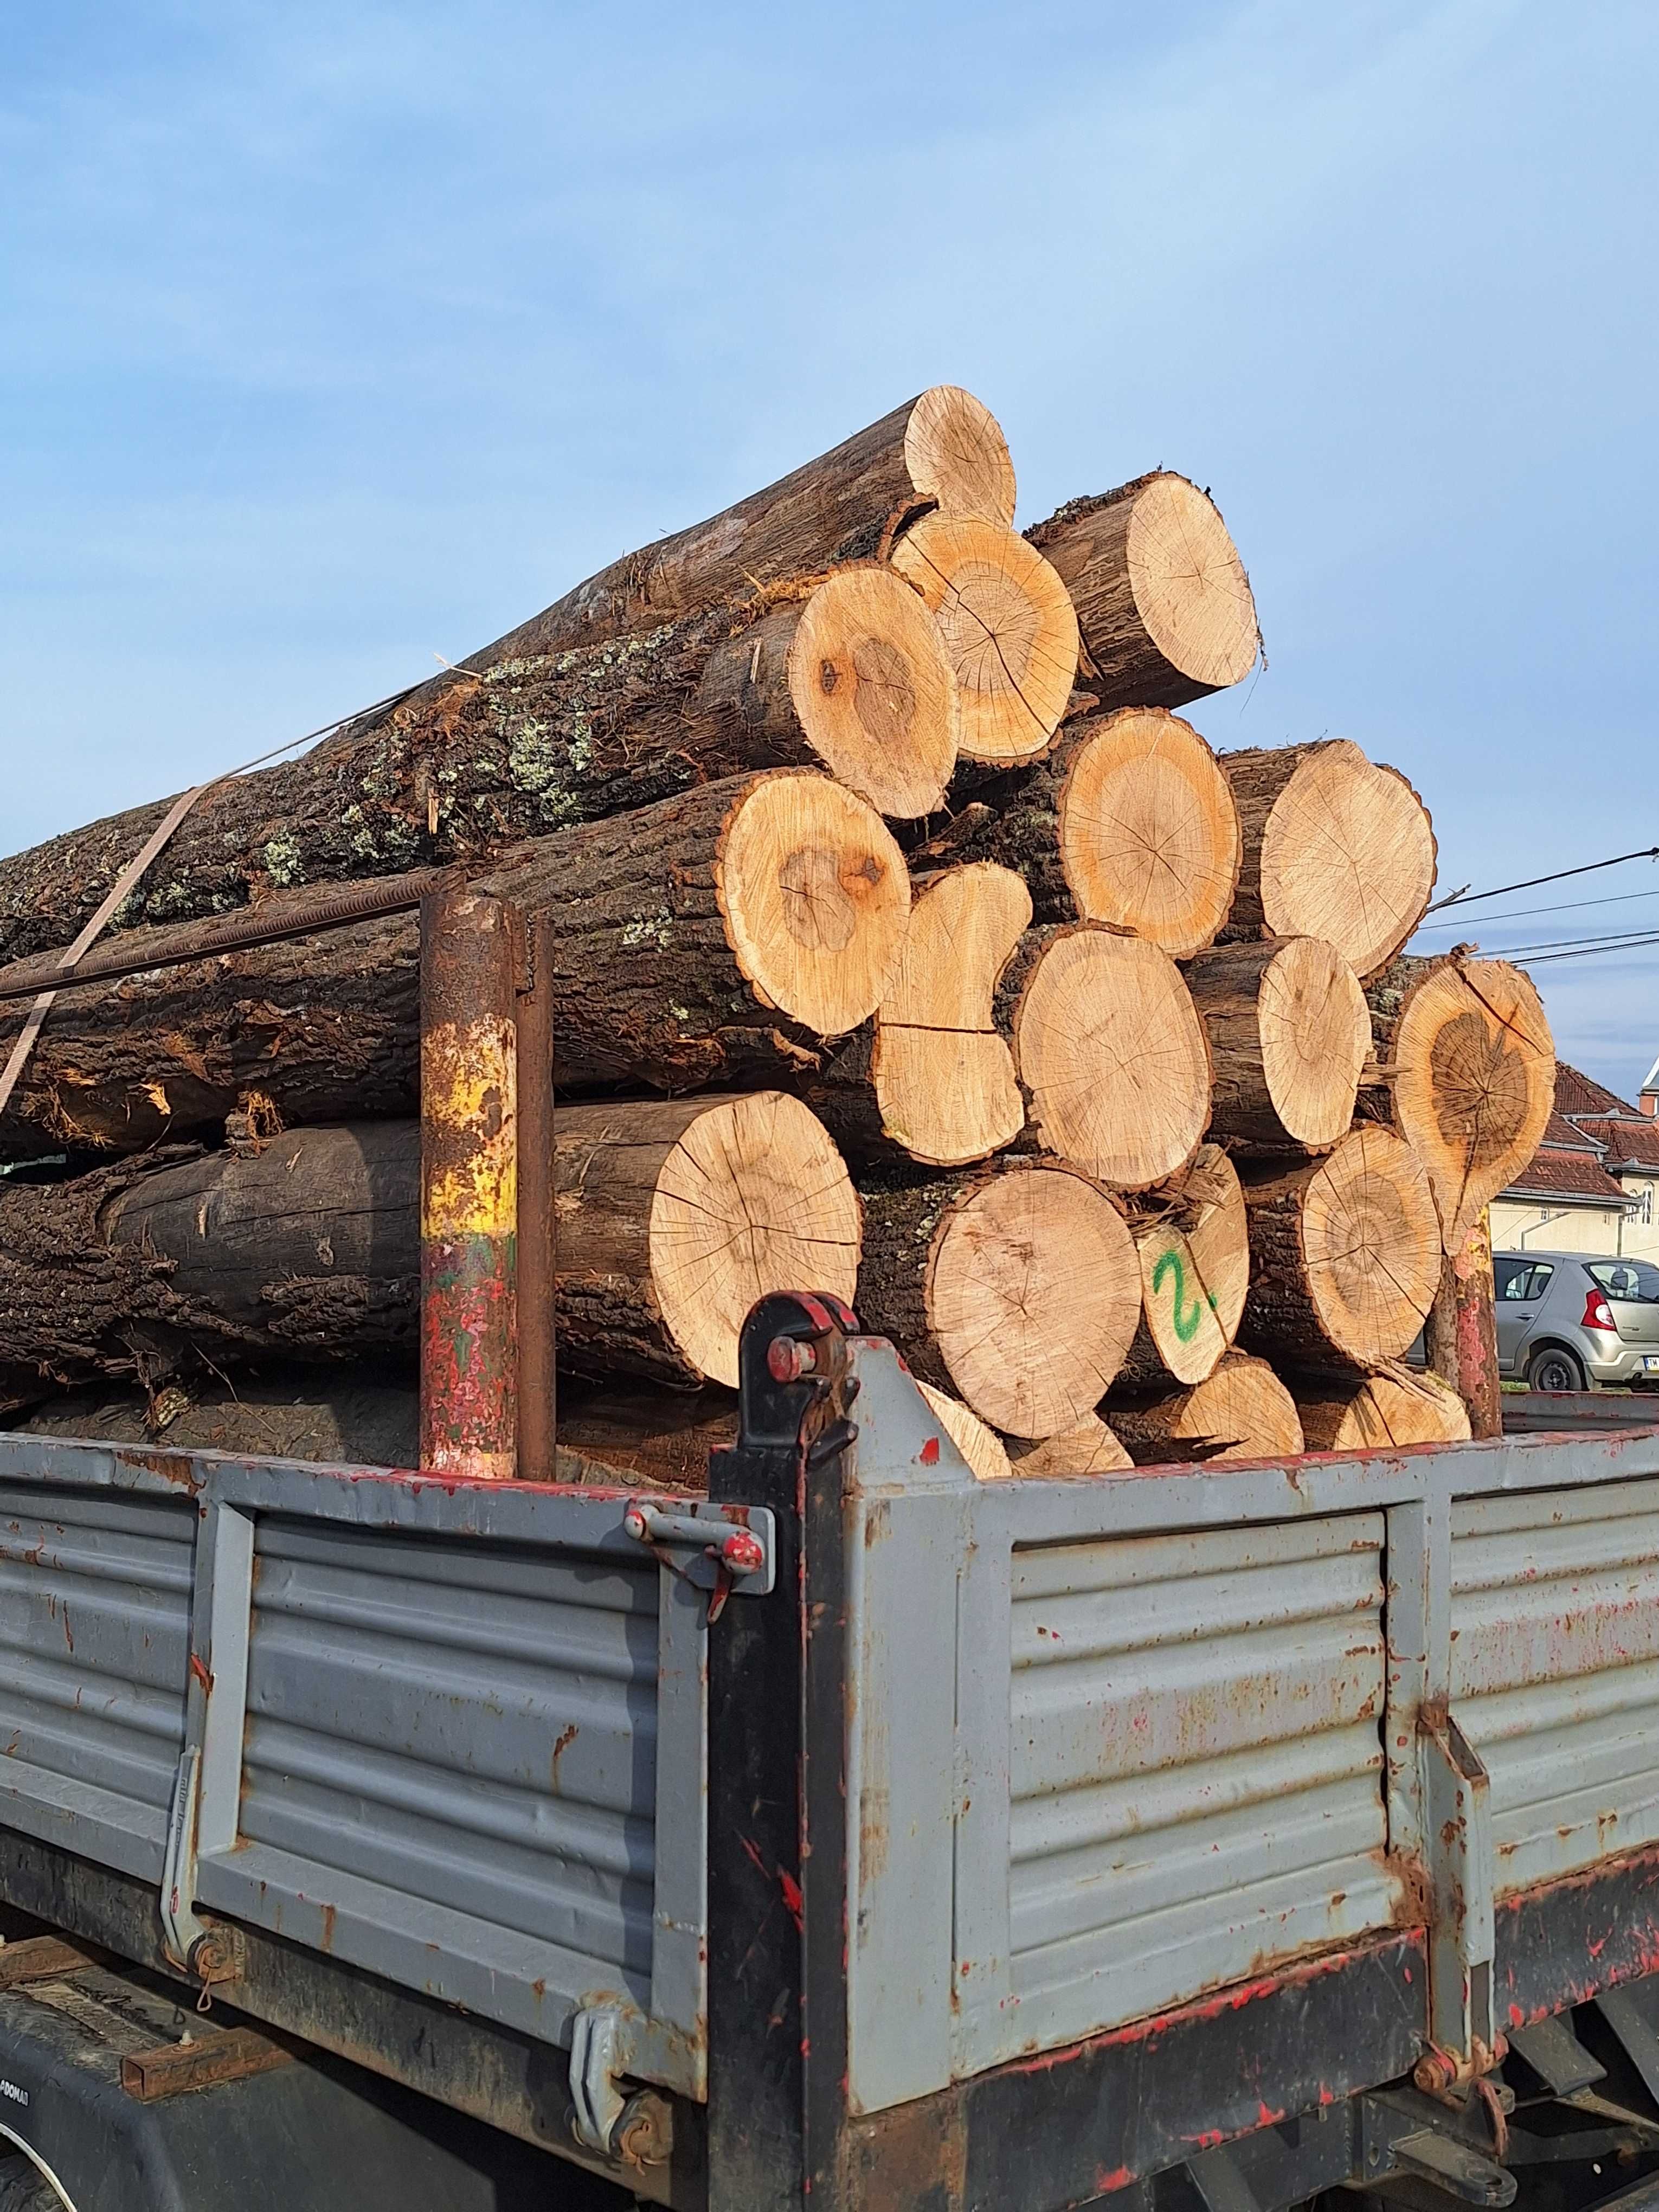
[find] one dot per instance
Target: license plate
(1651, 1363)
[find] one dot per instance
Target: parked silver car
(1572, 1320)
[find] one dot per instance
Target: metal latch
(709, 1548)
(212, 1955)
(638, 2129)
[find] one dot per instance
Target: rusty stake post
(469, 1186)
(537, 1224)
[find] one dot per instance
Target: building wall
(1641, 1229)
(1574, 1228)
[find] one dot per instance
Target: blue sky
(332, 337)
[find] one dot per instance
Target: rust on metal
(219, 2055)
(537, 1229)
(469, 1188)
(45, 1959)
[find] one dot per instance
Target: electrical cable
(1468, 897)
(1567, 906)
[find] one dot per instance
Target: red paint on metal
(792, 1899)
(1118, 2177)
(929, 1452)
(201, 1673)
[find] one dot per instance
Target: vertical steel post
(537, 1221)
(469, 1186)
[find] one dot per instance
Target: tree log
(1192, 1239)
(1129, 821)
(1163, 601)
(1289, 1032)
(658, 1438)
(716, 938)
(1335, 846)
(982, 1448)
(558, 722)
(942, 450)
(1241, 1412)
(1018, 1288)
(1089, 1448)
(931, 1078)
(1379, 1412)
(1008, 631)
(1473, 1080)
(1345, 1254)
(1461, 1339)
(672, 1219)
(1110, 1052)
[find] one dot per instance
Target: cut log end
(1474, 1084)
(1344, 1256)
(816, 896)
(1242, 1412)
(1289, 1032)
(753, 1199)
(1112, 1055)
(956, 455)
(871, 681)
(943, 1078)
(1149, 836)
(1190, 584)
(1195, 1269)
(981, 1448)
(1008, 628)
(1344, 848)
(1381, 1412)
(1033, 1296)
(1089, 1448)
(1316, 1035)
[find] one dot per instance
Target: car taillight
(1598, 1313)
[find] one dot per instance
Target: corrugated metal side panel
(461, 1725)
(1555, 1671)
(1196, 1763)
(94, 1638)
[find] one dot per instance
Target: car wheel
(1555, 1369)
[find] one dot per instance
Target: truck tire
(24, 2188)
(1553, 1367)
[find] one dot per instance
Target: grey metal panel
(94, 1617)
(1196, 1776)
(1555, 1671)
(461, 1725)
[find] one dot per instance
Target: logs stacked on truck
(900, 939)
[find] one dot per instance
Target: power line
(1568, 906)
(1468, 897)
(1586, 952)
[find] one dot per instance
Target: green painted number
(1185, 1322)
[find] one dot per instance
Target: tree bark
(1241, 1412)
(1461, 1340)
(1334, 845)
(1163, 601)
(930, 1079)
(1343, 1255)
(1128, 821)
(1008, 628)
(1380, 1412)
(717, 938)
(672, 1219)
(1017, 1289)
(1472, 1080)
(1192, 1239)
(554, 723)
(1289, 1032)
(1110, 1052)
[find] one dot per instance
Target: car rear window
(1633, 1282)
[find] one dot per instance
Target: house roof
(1562, 1136)
(1572, 1175)
(1633, 1143)
(1577, 1094)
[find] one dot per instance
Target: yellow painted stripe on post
(469, 1094)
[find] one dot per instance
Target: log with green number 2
(1186, 1319)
